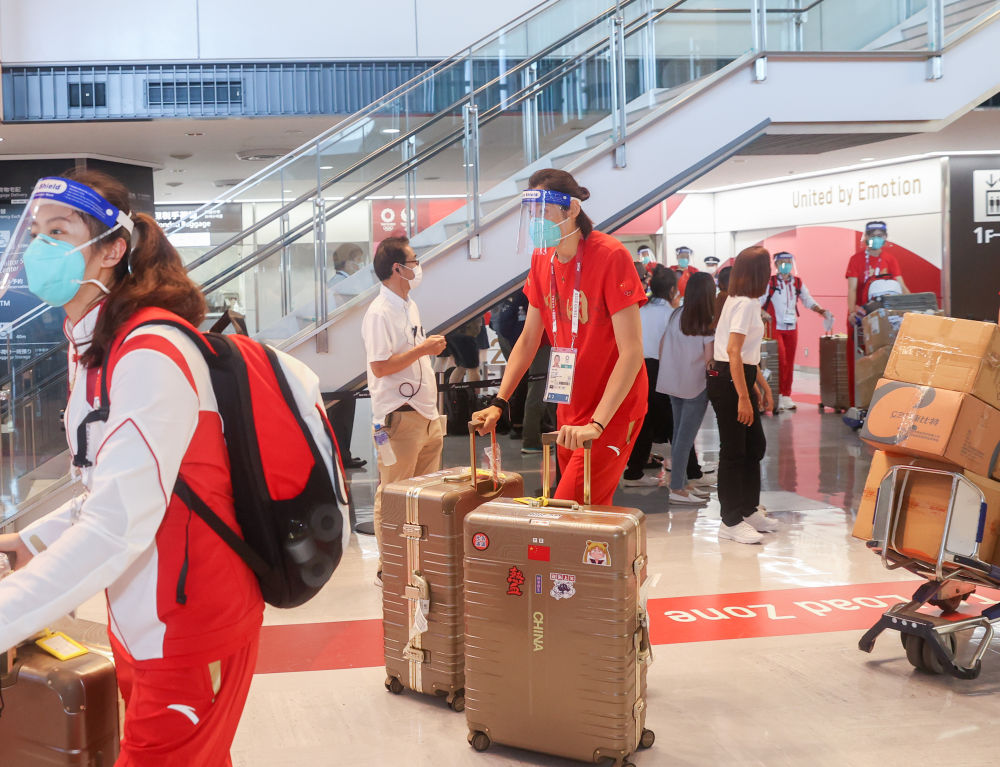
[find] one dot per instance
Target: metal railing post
(529, 115)
(320, 271)
(285, 267)
(935, 37)
(619, 113)
(470, 117)
(759, 21)
(409, 148)
(649, 60)
(798, 36)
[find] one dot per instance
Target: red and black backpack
(288, 485)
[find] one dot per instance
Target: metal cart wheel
(914, 650)
(393, 685)
(480, 741)
(949, 605)
(932, 664)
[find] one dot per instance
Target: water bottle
(382, 444)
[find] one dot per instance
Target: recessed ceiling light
(175, 183)
(1, 138)
(867, 159)
(194, 133)
(287, 191)
(326, 167)
(181, 155)
(177, 170)
(390, 131)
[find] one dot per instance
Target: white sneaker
(644, 481)
(741, 533)
(685, 500)
(786, 403)
(762, 523)
(701, 492)
(706, 482)
(709, 467)
(378, 579)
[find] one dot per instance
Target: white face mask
(416, 279)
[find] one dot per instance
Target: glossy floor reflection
(766, 672)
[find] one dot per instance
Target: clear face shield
(684, 257)
(542, 213)
(784, 264)
(875, 235)
(46, 249)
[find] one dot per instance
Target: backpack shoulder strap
(772, 286)
(798, 286)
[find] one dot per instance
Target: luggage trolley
(930, 640)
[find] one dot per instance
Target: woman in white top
(686, 350)
(653, 316)
(735, 370)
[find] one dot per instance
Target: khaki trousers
(416, 442)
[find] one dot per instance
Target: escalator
(636, 99)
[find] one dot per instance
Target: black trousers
(741, 448)
(659, 421)
(341, 415)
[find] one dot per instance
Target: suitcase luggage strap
(417, 592)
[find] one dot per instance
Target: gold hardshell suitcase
(557, 640)
(422, 584)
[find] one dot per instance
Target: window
(88, 95)
(161, 94)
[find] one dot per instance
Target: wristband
(499, 402)
(599, 424)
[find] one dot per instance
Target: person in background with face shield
(584, 293)
(184, 638)
(684, 269)
(869, 268)
(407, 428)
(781, 303)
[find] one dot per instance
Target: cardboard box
(881, 463)
(924, 509)
(867, 372)
(879, 328)
(947, 353)
(934, 423)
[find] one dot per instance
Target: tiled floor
(765, 673)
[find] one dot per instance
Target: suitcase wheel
(457, 702)
(647, 739)
(393, 685)
(479, 740)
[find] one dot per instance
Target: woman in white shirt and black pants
(735, 370)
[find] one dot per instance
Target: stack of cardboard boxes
(879, 329)
(938, 406)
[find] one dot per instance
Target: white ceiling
(213, 153)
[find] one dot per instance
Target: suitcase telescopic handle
(548, 441)
(473, 472)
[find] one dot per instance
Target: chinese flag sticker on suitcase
(557, 641)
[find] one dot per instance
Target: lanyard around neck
(554, 295)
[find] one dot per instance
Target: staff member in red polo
(867, 272)
(585, 294)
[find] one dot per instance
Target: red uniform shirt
(609, 283)
(683, 277)
(867, 268)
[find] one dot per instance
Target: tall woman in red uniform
(582, 273)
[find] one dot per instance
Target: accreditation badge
(559, 384)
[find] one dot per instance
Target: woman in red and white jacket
(184, 640)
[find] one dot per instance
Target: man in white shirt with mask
(407, 428)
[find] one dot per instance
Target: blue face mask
(544, 233)
(683, 262)
(54, 269)
(785, 268)
(876, 243)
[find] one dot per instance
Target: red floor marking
(320, 646)
(701, 618)
(806, 399)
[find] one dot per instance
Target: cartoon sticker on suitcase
(563, 585)
(597, 553)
